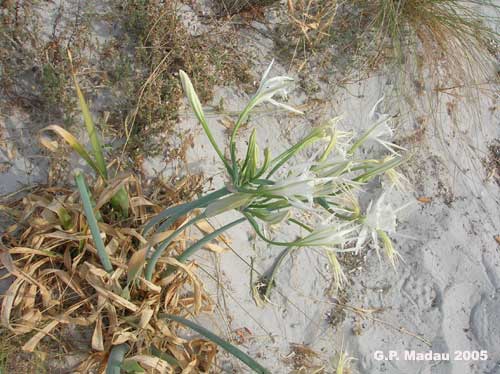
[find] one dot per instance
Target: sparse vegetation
(64, 278)
(451, 40)
(111, 259)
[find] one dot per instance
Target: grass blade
(242, 356)
(92, 221)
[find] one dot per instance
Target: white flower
(380, 216)
(302, 186)
(338, 274)
(294, 187)
(374, 114)
(380, 133)
(394, 178)
(379, 221)
(332, 236)
(268, 88)
(345, 203)
(338, 141)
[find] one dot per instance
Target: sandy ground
(443, 296)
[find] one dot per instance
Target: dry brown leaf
(204, 227)
(29, 297)
(140, 201)
(149, 286)
(97, 339)
(51, 144)
(157, 238)
(215, 248)
(123, 337)
(33, 342)
(190, 368)
(134, 233)
(197, 288)
(424, 199)
(6, 260)
(66, 278)
(116, 299)
(153, 363)
(135, 264)
(162, 326)
(49, 262)
(146, 315)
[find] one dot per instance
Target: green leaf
(234, 201)
(120, 202)
(194, 101)
(92, 132)
(92, 221)
(164, 356)
(169, 215)
(150, 267)
(316, 134)
(206, 239)
(188, 252)
(265, 164)
(131, 366)
(242, 356)
(116, 357)
(64, 218)
(381, 168)
(250, 165)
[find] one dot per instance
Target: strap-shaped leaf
(116, 358)
(91, 130)
(92, 221)
(240, 355)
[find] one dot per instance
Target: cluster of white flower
(325, 188)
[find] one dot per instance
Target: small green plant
(276, 190)
(119, 200)
(342, 361)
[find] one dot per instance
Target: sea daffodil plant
(279, 190)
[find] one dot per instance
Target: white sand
(446, 291)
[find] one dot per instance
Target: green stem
(363, 138)
(263, 237)
(380, 169)
(274, 270)
(290, 152)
